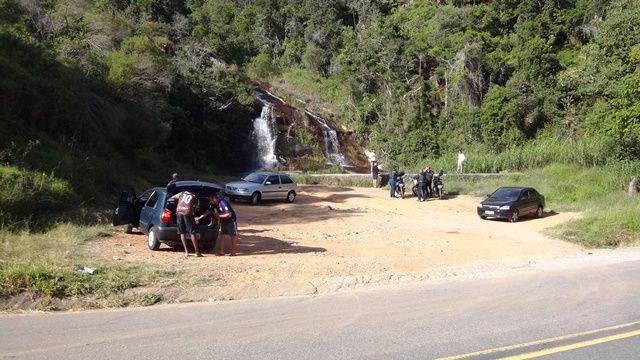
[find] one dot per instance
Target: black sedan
(511, 202)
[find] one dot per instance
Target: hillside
(100, 94)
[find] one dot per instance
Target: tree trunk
(633, 186)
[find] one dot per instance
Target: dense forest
(92, 88)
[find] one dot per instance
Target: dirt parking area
(335, 238)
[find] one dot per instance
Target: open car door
(123, 214)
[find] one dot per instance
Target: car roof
(191, 184)
(266, 173)
(514, 187)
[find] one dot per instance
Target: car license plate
(489, 212)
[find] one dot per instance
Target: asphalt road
(563, 313)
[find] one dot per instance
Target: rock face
(338, 146)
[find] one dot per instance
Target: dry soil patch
(335, 238)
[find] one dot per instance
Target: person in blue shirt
(226, 216)
(392, 183)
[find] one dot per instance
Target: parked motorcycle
(400, 184)
(438, 185)
(414, 189)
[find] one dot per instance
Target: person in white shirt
(461, 159)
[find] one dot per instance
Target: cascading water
(331, 145)
(265, 137)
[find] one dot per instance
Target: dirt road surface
(336, 238)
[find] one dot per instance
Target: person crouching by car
(186, 221)
(228, 223)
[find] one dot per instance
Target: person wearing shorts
(226, 216)
(186, 221)
(375, 171)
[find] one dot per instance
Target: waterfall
(331, 145)
(265, 137)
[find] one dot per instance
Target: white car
(263, 186)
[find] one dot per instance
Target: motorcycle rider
(422, 179)
(392, 183)
(429, 178)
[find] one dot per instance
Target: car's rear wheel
(514, 216)
(483, 217)
(291, 196)
(255, 198)
(152, 239)
(540, 211)
(128, 229)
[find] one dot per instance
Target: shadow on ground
(312, 205)
(264, 245)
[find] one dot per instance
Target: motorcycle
(400, 184)
(438, 186)
(414, 189)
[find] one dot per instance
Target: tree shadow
(263, 245)
(309, 207)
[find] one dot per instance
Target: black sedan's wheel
(291, 196)
(483, 217)
(152, 239)
(255, 198)
(514, 217)
(539, 212)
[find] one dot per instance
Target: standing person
(375, 173)
(171, 186)
(392, 183)
(461, 159)
(185, 217)
(421, 183)
(428, 173)
(228, 224)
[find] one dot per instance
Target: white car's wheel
(255, 198)
(291, 196)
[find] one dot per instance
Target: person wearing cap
(222, 211)
(171, 186)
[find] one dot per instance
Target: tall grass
(586, 152)
(612, 221)
(45, 264)
(30, 196)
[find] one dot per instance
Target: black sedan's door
(123, 214)
(527, 203)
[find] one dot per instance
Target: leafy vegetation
(98, 94)
(46, 265)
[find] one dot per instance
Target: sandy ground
(335, 238)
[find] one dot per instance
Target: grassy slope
(611, 218)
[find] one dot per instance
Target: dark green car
(153, 213)
(512, 202)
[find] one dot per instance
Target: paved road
(420, 321)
